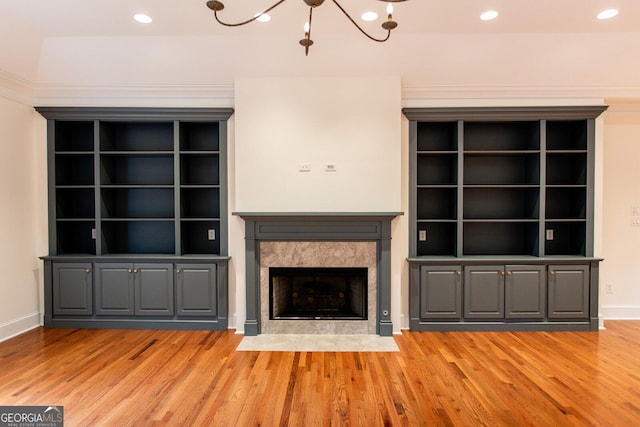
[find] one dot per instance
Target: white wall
(353, 123)
(22, 217)
(620, 270)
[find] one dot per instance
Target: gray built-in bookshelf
(132, 187)
(503, 189)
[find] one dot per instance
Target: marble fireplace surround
(318, 240)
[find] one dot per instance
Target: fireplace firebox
(318, 293)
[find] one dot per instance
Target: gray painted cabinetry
(525, 292)
(196, 289)
(568, 292)
(440, 292)
(72, 288)
(501, 218)
(134, 289)
(137, 217)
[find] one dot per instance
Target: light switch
(304, 167)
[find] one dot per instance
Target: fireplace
(318, 293)
(286, 245)
(318, 256)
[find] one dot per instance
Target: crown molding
(499, 95)
(15, 88)
(23, 91)
(135, 95)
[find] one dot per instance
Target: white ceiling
(438, 43)
(191, 17)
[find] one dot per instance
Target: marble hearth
(317, 240)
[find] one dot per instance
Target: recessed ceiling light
(608, 14)
(369, 16)
(263, 17)
(142, 18)
(489, 15)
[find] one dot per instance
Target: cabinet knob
(130, 271)
(88, 270)
(178, 271)
(508, 273)
(459, 273)
(552, 273)
(135, 271)
(502, 273)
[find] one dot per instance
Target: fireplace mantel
(301, 216)
(318, 226)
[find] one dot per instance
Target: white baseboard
(404, 323)
(620, 312)
(19, 326)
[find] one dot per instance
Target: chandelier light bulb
(389, 9)
(306, 28)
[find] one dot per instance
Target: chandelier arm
(306, 48)
(360, 28)
(226, 24)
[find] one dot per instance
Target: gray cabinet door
(114, 289)
(484, 292)
(153, 289)
(568, 292)
(525, 292)
(441, 292)
(196, 288)
(72, 289)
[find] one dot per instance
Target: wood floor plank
(196, 378)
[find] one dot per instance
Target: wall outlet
(330, 167)
(422, 235)
(304, 167)
(609, 287)
(211, 234)
(550, 234)
(635, 221)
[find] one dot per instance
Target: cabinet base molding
(196, 325)
(419, 326)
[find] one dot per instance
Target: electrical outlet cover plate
(304, 167)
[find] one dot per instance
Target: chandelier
(306, 42)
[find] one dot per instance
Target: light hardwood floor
(196, 378)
